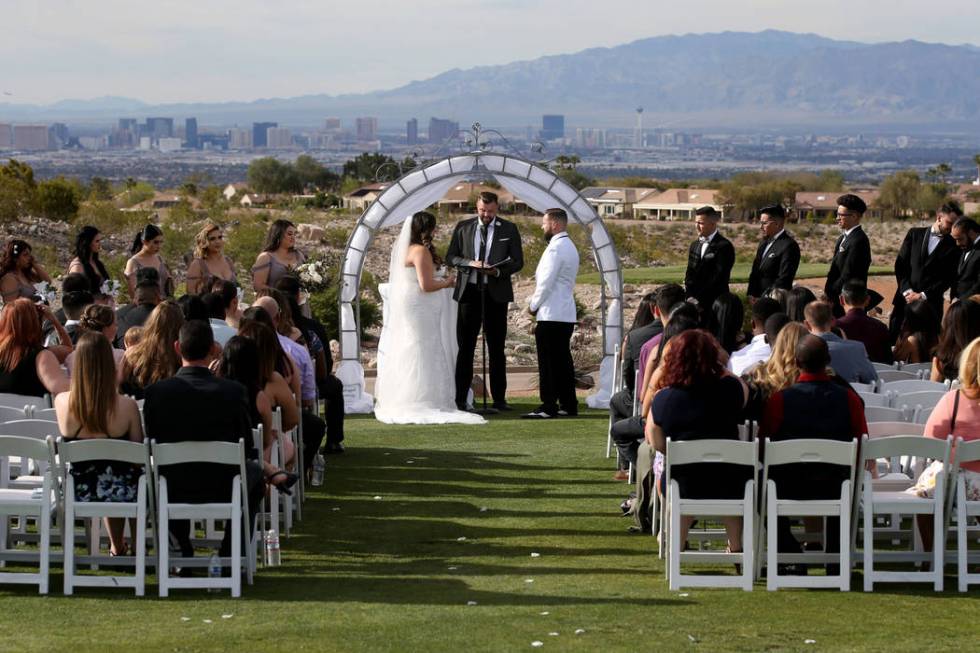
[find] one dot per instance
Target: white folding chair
(711, 451)
(864, 387)
(924, 400)
(917, 385)
(125, 452)
(36, 429)
(47, 414)
(885, 414)
(874, 502)
(967, 511)
(829, 452)
(874, 399)
(39, 505)
(616, 387)
(882, 367)
(917, 368)
(10, 413)
(888, 376)
(23, 402)
(234, 510)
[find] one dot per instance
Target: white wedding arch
(539, 187)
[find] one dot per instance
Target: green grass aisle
(422, 540)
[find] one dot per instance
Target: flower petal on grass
(535, 555)
(471, 603)
(537, 644)
(544, 614)
(461, 538)
(580, 631)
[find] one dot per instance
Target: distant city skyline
(223, 50)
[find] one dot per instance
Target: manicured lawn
(740, 273)
(378, 564)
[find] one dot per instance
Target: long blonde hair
(92, 395)
(781, 370)
(970, 370)
(154, 358)
(202, 238)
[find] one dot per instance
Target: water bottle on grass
(214, 570)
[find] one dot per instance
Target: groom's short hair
(558, 215)
(487, 197)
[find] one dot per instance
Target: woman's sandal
(285, 486)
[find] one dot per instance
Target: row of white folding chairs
(56, 492)
(869, 497)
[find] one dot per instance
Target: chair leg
(674, 554)
(163, 555)
(845, 538)
(68, 548)
(45, 518)
(961, 544)
(236, 551)
(938, 544)
(772, 548)
(141, 540)
(748, 539)
(868, 544)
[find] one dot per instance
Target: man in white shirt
(759, 349)
(553, 306)
(216, 314)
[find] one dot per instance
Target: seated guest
(848, 358)
(240, 362)
(193, 308)
(655, 347)
(133, 336)
(69, 284)
(93, 409)
(98, 318)
(271, 358)
(918, 334)
(857, 325)
(815, 406)
(283, 362)
(669, 297)
(153, 359)
(961, 326)
(697, 398)
(330, 388)
(19, 271)
(229, 293)
(73, 304)
(777, 373)
(781, 295)
(796, 301)
(196, 406)
(215, 303)
(725, 321)
(758, 349)
(147, 298)
(26, 366)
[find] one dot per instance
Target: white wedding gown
(417, 350)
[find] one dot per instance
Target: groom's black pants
(556, 372)
(468, 323)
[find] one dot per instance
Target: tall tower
(638, 130)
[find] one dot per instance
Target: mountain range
(730, 79)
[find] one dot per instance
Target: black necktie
(483, 242)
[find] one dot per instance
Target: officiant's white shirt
(554, 292)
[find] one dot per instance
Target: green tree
(17, 190)
(899, 193)
(188, 188)
(136, 192)
(566, 167)
(314, 175)
(370, 167)
(57, 199)
(269, 175)
(99, 189)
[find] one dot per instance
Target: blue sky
(212, 50)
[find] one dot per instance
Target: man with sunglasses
(852, 253)
(778, 255)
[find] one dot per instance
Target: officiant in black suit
(709, 260)
(926, 265)
(966, 232)
(852, 252)
(488, 249)
(778, 255)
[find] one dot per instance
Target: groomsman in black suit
(926, 265)
(852, 253)
(778, 255)
(488, 249)
(966, 232)
(709, 260)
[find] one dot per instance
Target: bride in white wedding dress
(415, 383)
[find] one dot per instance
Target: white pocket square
(503, 240)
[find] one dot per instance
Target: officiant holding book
(487, 250)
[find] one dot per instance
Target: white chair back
(815, 450)
(884, 414)
(916, 367)
(889, 376)
(882, 367)
(873, 399)
(917, 385)
(20, 401)
(864, 387)
(47, 414)
(925, 399)
(30, 428)
(11, 413)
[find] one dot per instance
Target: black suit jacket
(850, 263)
(968, 274)
(129, 316)
(635, 340)
(506, 243)
(707, 277)
(918, 270)
(195, 405)
(777, 269)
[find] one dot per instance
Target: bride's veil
(397, 279)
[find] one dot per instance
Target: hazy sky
(206, 50)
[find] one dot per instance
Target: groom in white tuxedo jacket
(553, 306)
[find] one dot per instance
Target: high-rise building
(278, 137)
(239, 139)
(412, 131)
(590, 139)
(6, 135)
(441, 130)
(169, 144)
(126, 133)
(157, 128)
(367, 129)
(259, 130)
(552, 127)
(31, 137)
(190, 133)
(331, 124)
(58, 135)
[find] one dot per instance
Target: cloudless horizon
(176, 51)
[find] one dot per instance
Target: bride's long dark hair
(423, 226)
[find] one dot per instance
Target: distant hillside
(709, 80)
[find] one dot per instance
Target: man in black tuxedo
(852, 252)
(778, 255)
(966, 232)
(195, 405)
(926, 265)
(709, 260)
(488, 249)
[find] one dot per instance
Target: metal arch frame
(354, 278)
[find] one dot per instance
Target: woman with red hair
(26, 367)
(697, 398)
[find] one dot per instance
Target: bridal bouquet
(313, 276)
(110, 288)
(45, 291)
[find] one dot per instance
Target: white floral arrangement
(45, 291)
(313, 276)
(110, 288)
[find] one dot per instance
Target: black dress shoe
(334, 447)
(503, 406)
